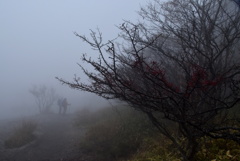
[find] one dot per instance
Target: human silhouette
(63, 104)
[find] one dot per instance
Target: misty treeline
(44, 97)
(179, 65)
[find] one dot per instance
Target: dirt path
(56, 140)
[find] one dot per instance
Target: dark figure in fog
(59, 102)
(65, 105)
(62, 103)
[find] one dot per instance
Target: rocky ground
(56, 139)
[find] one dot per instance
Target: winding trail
(56, 140)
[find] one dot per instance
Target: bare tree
(180, 64)
(44, 97)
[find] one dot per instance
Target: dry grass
(115, 134)
(129, 136)
(21, 135)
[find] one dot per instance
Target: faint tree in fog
(44, 97)
(181, 64)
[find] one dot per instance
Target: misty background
(37, 44)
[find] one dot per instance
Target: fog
(37, 44)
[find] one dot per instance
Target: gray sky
(37, 43)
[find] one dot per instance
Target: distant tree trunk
(44, 98)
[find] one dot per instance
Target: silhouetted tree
(180, 64)
(44, 97)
